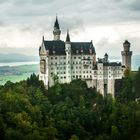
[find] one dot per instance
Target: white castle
(77, 60)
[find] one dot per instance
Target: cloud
(89, 11)
(14, 50)
(106, 22)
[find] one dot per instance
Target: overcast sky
(106, 22)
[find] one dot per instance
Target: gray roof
(57, 47)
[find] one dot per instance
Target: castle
(77, 60)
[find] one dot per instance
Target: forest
(69, 111)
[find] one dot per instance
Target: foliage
(68, 111)
(137, 84)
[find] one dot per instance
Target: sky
(108, 23)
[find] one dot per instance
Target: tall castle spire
(68, 37)
(56, 31)
(56, 24)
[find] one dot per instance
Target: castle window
(90, 76)
(55, 57)
(51, 63)
(64, 72)
(64, 57)
(74, 57)
(51, 57)
(73, 76)
(85, 67)
(79, 57)
(64, 63)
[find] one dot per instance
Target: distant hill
(17, 58)
(17, 73)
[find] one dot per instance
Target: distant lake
(18, 63)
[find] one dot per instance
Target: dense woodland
(69, 111)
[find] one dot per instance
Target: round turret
(126, 46)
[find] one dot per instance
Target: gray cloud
(36, 17)
(90, 11)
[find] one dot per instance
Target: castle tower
(56, 31)
(68, 57)
(43, 53)
(126, 55)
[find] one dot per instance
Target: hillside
(68, 112)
